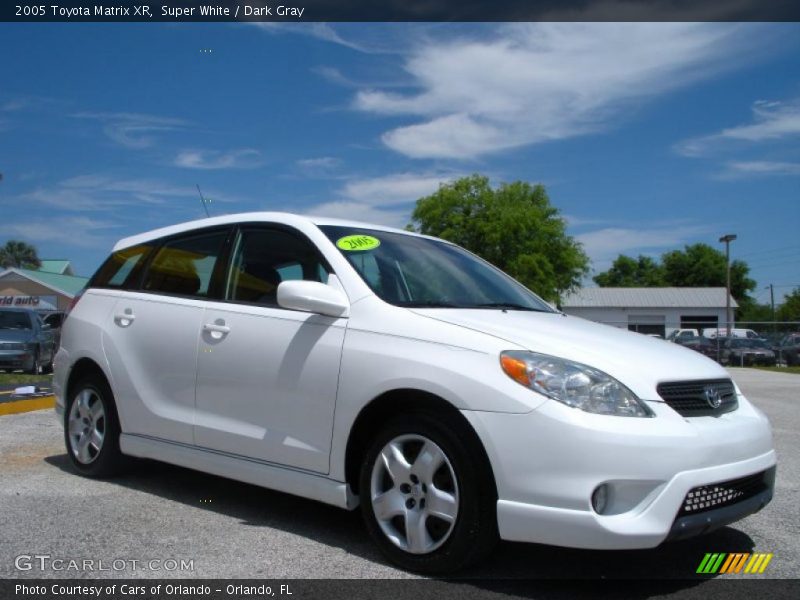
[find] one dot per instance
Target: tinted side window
(263, 258)
(119, 267)
(185, 266)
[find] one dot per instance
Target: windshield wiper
(508, 306)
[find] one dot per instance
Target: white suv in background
(357, 364)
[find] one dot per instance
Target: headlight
(573, 384)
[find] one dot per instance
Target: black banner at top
(397, 10)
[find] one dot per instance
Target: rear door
(151, 335)
(267, 376)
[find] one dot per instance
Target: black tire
(108, 460)
(474, 531)
(36, 367)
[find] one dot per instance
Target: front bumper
(16, 359)
(548, 463)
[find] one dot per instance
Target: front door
(267, 376)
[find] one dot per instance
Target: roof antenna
(203, 201)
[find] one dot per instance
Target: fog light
(600, 499)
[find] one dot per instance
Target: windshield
(413, 271)
(10, 319)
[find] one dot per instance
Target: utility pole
(727, 239)
(772, 303)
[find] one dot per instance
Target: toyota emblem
(712, 396)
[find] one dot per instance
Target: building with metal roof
(652, 310)
(48, 289)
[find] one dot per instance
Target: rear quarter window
(119, 268)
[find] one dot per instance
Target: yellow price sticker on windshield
(355, 243)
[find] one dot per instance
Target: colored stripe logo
(734, 563)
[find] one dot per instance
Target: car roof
(249, 217)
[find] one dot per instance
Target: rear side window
(186, 266)
(118, 269)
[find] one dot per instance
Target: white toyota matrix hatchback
(361, 365)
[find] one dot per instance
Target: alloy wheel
(414, 494)
(87, 426)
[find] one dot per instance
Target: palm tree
(19, 254)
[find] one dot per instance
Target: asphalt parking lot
(229, 529)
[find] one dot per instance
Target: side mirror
(313, 296)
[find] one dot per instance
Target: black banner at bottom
(392, 589)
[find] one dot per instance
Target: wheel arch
(82, 368)
(401, 402)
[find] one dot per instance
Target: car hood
(638, 361)
(15, 335)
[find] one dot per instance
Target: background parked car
(747, 352)
(788, 349)
(715, 332)
(682, 334)
(25, 341)
(703, 345)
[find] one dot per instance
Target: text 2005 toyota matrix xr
(359, 365)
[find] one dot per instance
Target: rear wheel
(92, 429)
(426, 496)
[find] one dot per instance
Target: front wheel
(92, 429)
(36, 365)
(427, 497)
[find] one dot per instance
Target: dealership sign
(34, 302)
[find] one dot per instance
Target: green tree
(790, 309)
(632, 272)
(753, 311)
(697, 265)
(700, 265)
(513, 226)
(19, 254)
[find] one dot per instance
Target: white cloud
(321, 31)
(133, 130)
(604, 245)
(772, 121)
(360, 211)
(80, 232)
(533, 82)
(99, 192)
(245, 158)
(321, 164)
(14, 105)
(736, 169)
(393, 189)
(385, 200)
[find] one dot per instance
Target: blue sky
(647, 136)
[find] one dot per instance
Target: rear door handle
(217, 330)
(125, 318)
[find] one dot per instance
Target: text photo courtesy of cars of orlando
(450, 383)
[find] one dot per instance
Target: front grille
(695, 398)
(710, 497)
